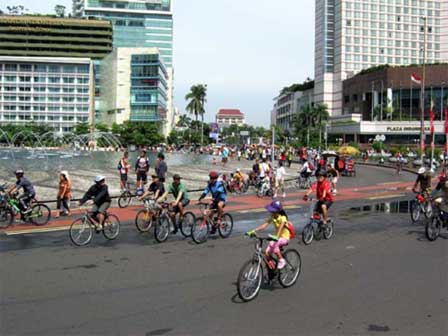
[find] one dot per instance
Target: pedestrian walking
(280, 180)
(142, 169)
(64, 194)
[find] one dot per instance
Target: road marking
(41, 230)
(386, 183)
(385, 196)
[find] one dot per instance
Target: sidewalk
(235, 204)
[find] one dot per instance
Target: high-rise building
(134, 83)
(138, 24)
(351, 36)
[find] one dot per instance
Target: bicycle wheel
(308, 234)
(226, 227)
(249, 280)
(428, 210)
(125, 199)
(111, 227)
(186, 224)
(432, 229)
(200, 230)
(40, 214)
(6, 218)
(289, 274)
(162, 229)
(144, 220)
(329, 230)
(415, 211)
(81, 232)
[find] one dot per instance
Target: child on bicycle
(282, 236)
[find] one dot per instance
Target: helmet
(99, 178)
(321, 172)
(238, 170)
(19, 172)
(275, 206)
(422, 170)
(213, 175)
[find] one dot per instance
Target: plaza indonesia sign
(406, 129)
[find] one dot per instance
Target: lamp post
(422, 95)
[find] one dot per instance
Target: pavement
(378, 275)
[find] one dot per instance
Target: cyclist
(181, 199)
(156, 189)
(323, 194)
(279, 219)
(141, 169)
(239, 178)
(333, 175)
(219, 196)
(424, 180)
(99, 192)
(28, 190)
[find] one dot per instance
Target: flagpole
(433, 133)
(422, 98)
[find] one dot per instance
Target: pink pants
(274, 246)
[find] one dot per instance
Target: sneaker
(281, 264)
(98, 227)
(275, 196)
(284, 195)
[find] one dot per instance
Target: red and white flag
(416, 79)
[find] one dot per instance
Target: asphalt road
(377, 275)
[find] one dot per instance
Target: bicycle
(264, 188)
(81, 230)
(145, 218)
(435, 224)
(201, 228)
(125, 197)
(304, 182)
(420, 204)
(315, 228)
(10, 207)
(251, 274)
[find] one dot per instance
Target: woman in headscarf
(64, 194)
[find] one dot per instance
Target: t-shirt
(64, 189)
(324, 186)
(153, 187)
(142, 164)
(124, 166)
(26, 185)
(264, 169)
(176, 189)
(280, 173)
(425, 181)
(277, 223)
(161, 169)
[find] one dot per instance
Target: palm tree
(184, 121)
(304, 119)
(196, 100)
(321, 116)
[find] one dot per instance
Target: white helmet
(422, 170)
(99, 178)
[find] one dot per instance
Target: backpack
(310, 166)
(290, 228)
(119, 166)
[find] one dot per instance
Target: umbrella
(348, 150)
(327, 154)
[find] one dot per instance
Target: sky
(245, 51)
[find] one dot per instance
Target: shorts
(123, 177)
(102, 208)
(184, 204)
(142, 176)
(214, 205)
(279, 182)
(319, 204)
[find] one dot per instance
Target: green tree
(81, 128)
(184, 121)
(196, 101)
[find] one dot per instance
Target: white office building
(46, 90)
(354, 35)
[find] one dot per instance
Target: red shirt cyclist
(323, 194)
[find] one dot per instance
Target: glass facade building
(52, 91)
(138, 24)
